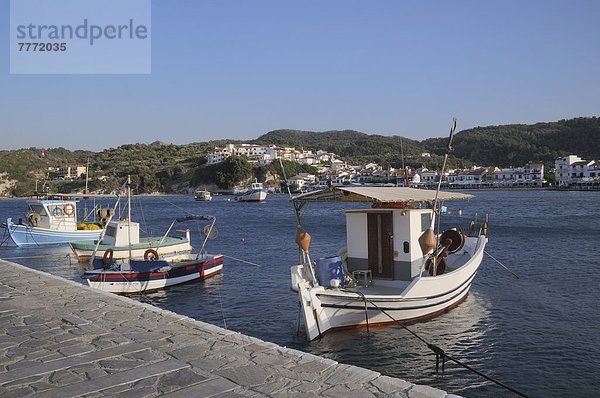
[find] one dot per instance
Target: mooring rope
(502, 265)
(222, 310)
(243, 261)
(175, 205)
(440, 354)
(5, 237)
(23, 257)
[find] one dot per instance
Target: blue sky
(238, 69)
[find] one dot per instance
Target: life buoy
(69, 209)
(151, 255)
(107, 259)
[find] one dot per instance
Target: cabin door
(381, 244)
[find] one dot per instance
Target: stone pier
(61, 339)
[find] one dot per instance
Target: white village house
(573, 171)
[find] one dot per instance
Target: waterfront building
(265, 154)
(531, 175)
(257, 153)
(427, 177)
(572, 171)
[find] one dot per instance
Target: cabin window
(425, 222)
(56, 210)
(38, 209)
(111, 231)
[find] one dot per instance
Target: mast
(448, 150)
(129, 213)
(303, 238)
(85, 190)
(428, 240)
(406, 182)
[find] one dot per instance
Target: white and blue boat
(51, 221)
(256, 193)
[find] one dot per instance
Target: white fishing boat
(394, 267)
(202, 195)
(255, 193)
(52, 220)
(122, 239)
(385, 274)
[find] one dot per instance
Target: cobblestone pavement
(61, 339)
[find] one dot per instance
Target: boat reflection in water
(391, 350)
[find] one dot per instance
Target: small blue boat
(51, 221)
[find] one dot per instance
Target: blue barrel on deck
(329, 268)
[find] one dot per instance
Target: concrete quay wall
(61, 339)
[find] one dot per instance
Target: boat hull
(84, 250)
(124, 282)
(255, 196)
(425, 297)
(24, 235)
(203, 197)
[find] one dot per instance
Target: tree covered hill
(160, 167)
(516, 144)
(350, 145)
(28, 165)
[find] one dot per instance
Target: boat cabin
(202, 195)
(59, 215)
(118, 233)
(382, 241)
(385, 241)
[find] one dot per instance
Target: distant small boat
(256, 193)
(202, 196)
(137, 276)
(51, 220)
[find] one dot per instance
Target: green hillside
(350, 145)
(516, 144)
(171, 168)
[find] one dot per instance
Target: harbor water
(538, 333)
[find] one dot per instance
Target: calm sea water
(539, 333)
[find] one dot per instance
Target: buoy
(427, 241)
(303, 239)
